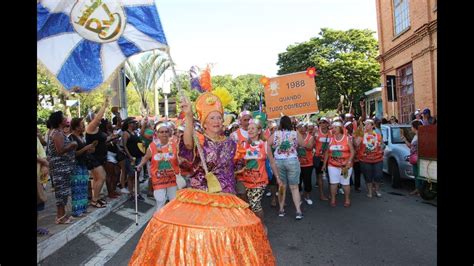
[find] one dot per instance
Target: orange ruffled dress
(201, 228)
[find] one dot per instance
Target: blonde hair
(261, 136)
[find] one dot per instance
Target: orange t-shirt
(339, 151)
(370, 148)
(164, 165)
(255, 172)
(305, 156)
(322, 142)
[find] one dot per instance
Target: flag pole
(195, 138)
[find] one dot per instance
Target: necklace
(335, 137)
(216, 139)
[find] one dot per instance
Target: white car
(396, 153)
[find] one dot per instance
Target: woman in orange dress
(205, 224)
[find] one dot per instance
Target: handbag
(413, 159)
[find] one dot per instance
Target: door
(379, 108)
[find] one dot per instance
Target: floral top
(285, 144)
(219, 156)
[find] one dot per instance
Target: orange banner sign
(291, 95)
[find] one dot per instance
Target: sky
(245, 36)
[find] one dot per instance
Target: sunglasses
(163, 132)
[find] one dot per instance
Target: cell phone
(95, 142)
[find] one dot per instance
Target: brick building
(407, 31)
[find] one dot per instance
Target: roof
(372, 91)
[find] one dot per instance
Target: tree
(244, 89)
(345, 63)
(145, 75)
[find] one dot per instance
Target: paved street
(396, 229)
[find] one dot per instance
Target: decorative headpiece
(206, 104)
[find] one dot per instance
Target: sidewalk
(60, 234)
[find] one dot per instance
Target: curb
(56, 241)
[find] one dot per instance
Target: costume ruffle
(200, 228)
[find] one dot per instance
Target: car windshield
(396, 134)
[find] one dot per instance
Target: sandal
(61, 220)
(102, 201)
(42, 231)
(347, 204)
(97, 204)
(332, 204)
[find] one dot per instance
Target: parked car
(396, 153)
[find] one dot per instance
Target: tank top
(285, 144)
(164, 165)
(255, 173)
(305, 155)
(132, 145)
(322, 142)
(370, 149)
(100, 152)
(339, 151)
(80, 159)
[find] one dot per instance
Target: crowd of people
(80, 155)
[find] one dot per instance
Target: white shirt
(244, 133)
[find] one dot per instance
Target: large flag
(84, 43)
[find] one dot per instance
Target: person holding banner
(338, 158)
(286, 141)
(205, 224)
(322, 137)
(163, 167)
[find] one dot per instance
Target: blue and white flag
(84, 43)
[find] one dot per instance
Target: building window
(401, 14)
(406, 93)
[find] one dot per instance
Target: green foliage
(345, 63)
(244, 89)
(42, 117)
(145, 75)
(46, 90)
(134, 102)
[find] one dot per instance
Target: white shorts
(161, 195)
(335, 176)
